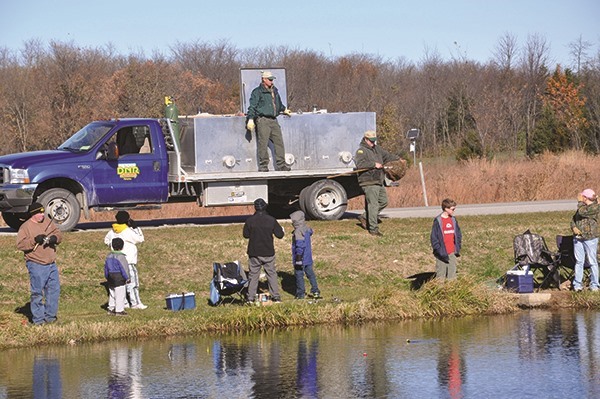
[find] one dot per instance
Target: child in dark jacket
(302, 256)
(115, 271)
(446, 241)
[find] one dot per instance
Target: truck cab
(106, 163)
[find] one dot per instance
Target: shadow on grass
(288, 282)
(25, 310)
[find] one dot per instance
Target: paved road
(481, 209)
(416, 212)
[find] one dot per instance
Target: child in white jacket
(126, 229)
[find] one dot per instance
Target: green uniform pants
(268, 129)
(375, 201)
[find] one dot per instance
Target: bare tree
(535, 71)
(505, 52)
(578, 50)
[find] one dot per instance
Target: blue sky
(391, 29)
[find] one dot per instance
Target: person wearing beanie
(302, 256)
(584, 225)
(259, 229)
(126, 229)
(38, 238)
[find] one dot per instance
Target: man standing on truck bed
(265, 105)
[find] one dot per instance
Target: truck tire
(14, 220)
(324, 200)
(62, 207)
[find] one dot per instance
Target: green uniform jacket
(265, 102)
(366, 158)
(586, 219)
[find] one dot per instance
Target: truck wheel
(62, 207)
(324, 200)
(14, 220)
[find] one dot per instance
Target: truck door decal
(128, 171)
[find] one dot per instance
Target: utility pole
(413, 135)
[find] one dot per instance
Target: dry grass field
(549, 177)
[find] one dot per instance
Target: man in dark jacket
(260, 229)
(370, 157)
(265, 105)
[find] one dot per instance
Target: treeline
(516, 102)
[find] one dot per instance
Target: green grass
(361, 278)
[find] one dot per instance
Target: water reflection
(529, 354)
(47, 383)
(124, 380)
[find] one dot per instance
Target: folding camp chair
(229, 279)
(567, 259)
(531, 252)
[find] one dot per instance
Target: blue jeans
(312, 279)
(585, 252)
(44, 284)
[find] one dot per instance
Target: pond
(530, 354)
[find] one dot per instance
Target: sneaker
(577, 289)
(363, 222)
(123, 313)
(376, 233)
(139, 306)
(285, 168)
(263, 169)
(275, 299)
(299, 297)
(316, 295)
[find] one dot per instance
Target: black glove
(132, 224)
(445, 259)
(39, 239)
(457, 255)
(298, 260)
(52, 240)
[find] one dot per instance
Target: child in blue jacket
(115, 272)
(302, 256)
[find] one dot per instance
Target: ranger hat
(371, 135)
(36, 208)
(267, 75)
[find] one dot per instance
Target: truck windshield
(87, 137)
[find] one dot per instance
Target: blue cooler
(520, 281)
(183, 301)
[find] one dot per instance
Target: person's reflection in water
(451, 368)
(306, 378)
(47, 383)
(125, 373)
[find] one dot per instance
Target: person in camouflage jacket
(584, 225)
